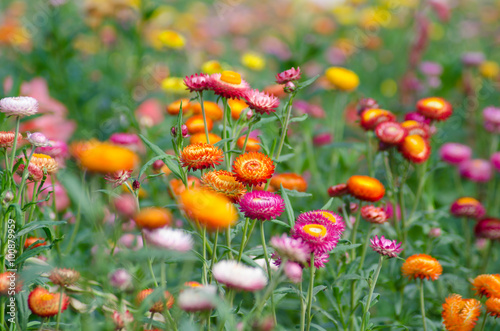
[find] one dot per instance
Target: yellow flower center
(316, 230)
(41, 156)
(467, 200)
(231, 77)
(46, 297)
(330, 217)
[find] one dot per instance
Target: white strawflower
(38, 139)
(239, 276)
(168, 238)
(18, 106)
(197, 298)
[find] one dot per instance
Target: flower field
(250, 165)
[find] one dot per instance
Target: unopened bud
(8, 197)
(136, 185)
(290, 87)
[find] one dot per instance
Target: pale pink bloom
(322, 139)
(120, 279)
(495, 161)
(125, 205)
(131, 241)
(292, 249)
(435, 232)
(119, 177)
(293, 271)
(227, 90)
(19, 106)
(149, 113)
(168, 238)
(289, 75)
(390, 248)
(121, 320)
(476, 170)
(373, 214)
(198, 298)
(38, 139)
(261, 102)
(197, 82)
(239, 276)
(454, 153)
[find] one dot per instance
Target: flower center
(467, 200)
(231, 77)
(252, 165)
(46, 297)
(316, 230)
(330, 217)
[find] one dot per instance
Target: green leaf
(306, 83)
(328, 204)
(280, 223)
(288, 207)
(174, 167)
(33, 251)
(222, 141)
(37, 225)
(349, 277)
(285, 157)
(295, 193)
(344, 248)
(318, 289)
(299, 118)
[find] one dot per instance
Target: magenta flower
(19, 106)
(373, 214)
(171, 239)
(197, 82)
(262, 205)
(472, 59)
(289, 75)
(334, 218)
(239, 276)
(124, 139)
(320, 260)
(491, 117)
(495, 161)
(467, 207)
(386, 247)
(319, 233)
(261, 102)
(322, 139)
(454, 153)
(293, 271)
(292, 249)
(119, 177)
(476, 170)
(391, 133)
(417, 117)
(488, 228)
(58, 149)
(338, 190)
(226, 89)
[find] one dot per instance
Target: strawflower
(239, 276)
(262, 205)
(7, 139)
(158, 306)
(224, 182)
(365, 188)
(467, 207)
(422, 266)
(460, 314)
(487, 285)
(253, 168)
(261, 102)
(45, 304)
(153, 218)
(290, 248)
(171, 239)
(228, 84)
(197, 82)
(289, 75)
(201, 156)
(386, 247)
(19, 106)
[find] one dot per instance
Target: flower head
(252, 144)
(435, 108)
(212, 109)
(171, 239)
(107, 158)
(198, 138)
(495, 160)
(454, 153)
(472, 59)
(120, 279)
(7, 139)
(334, 218)
(253, 168)
(493, 307)
(197, 82)
(261, 102)
(224, 182)
(318, 232)
(320, 260)
(371, 118)
(367, 103)
(374, 214)
(262, 205)
(417, 128)
(289, 75)
(386, 247)
(239, 276)
(19, 106)
(491, 117)
(178, 186)
(460, 314)
(38, 139)
(153, 218)
(196, 124)
(198, 298)
(45, 304)
(201, 156)
(7, 281)
(365, 188)
(467, 207)
(415, 149)
(338, 190)
(211, 209)
(487, 285)
(119, 177)
(290, 248)
(158, 306)
(391, 133)
(476, 170)
(121, 320)
(228, 84)
(342, 79)
(64, 277)
(290, 181)
(293, 271)
(421, 266)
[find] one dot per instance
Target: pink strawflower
(35, 172)
(293, 271)
(124, 139)
(488, 228)
(491, 117)
(495, 161)
(292, 249)
(454, 153)
(417, 117)
(198, 298)
(7, 139)
(149, 113)
(125, 205)
(320, 260)
(262, 205)
(119, 177)
(338, 190)
(261, 102)
(38, 139)
(289, 75)
(57, 149)
(467, 207)
(391, 133)
(171, 239)
(197, 82)
(472, 59)
(129, 240)
(435, 232)
(239, 276)
(389, 211)
(322, 139)
(19, 106)
(386, 247)
(226, 89)
(120, 279)
(122, 320)
(373, 214)
(320, 234)
(476, 170)
(334, 218)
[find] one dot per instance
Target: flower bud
(136, 185)
(435, 232)
(290, 87)
(38, 139)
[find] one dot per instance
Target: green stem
(370, 293)
(285, 126)
(214, 254)
(14, 146)
(421, 185)
(487, 257)
(224, 134)
(390, 179)
(205, 272)
(402, 206)
(202, 104)
(268, 265)
(369, 153)
(484, 322)
(365, 246)
(151, 319)
(310, 293)
(243, 238)
(468, 239)
(354, 232)
(302, 309)
(61, 294)
(228, 241)
(150, 261)
(422, 306)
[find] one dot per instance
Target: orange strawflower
(153, 218)
(8, 278)
(178, 186)
(493, 306)
(210, 209)
(422, 266)
(64, 276)
(212, 110)
(415, 148)
(237, 106)
(175, 107)
(253, 168)
(487, 285)
(31, 240)
(290, 181)
(370, 118)
(202, 138)
(252, 144)
(460, 314)
(224, 182)
(107, 158)
(192, 284)
(195, 124)
(45, 304)
(201, 156)
(158, 306)
(43, 161)
(435, 108)
(78, 147)
(365, 188)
